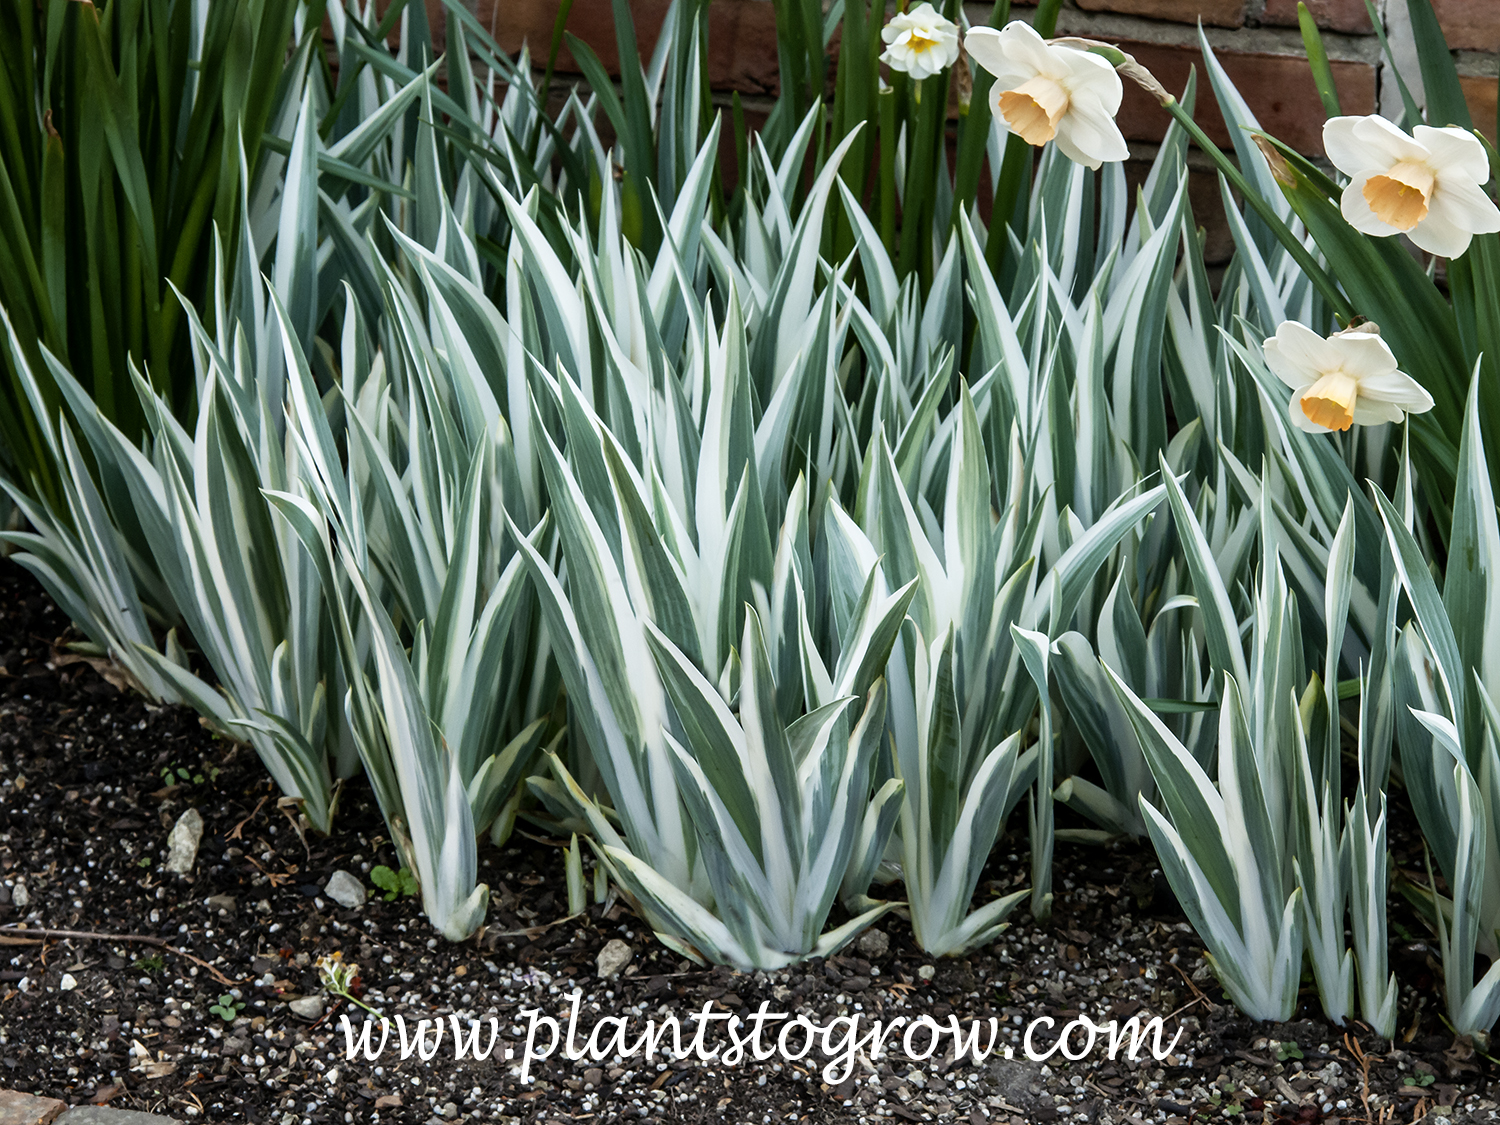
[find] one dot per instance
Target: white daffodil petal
(1479, 213)
(1438, 234)
(1373, 412)
(1398, 389)
(1459, 210)
(987, 48)
(918, 64)
(1026, 48)
(1364, 355)
(1357, 211)
(1386, 142)
(1091, 77)
(1302, 351)
(1355, 144)
(1087, 135)
(1347, 154)
(1455, 150)
(1292, 374)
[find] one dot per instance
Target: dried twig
(1197, 992)
(1364, 1066)
(1199, 999)
(14, 930)
(234, 833)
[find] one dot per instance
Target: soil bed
(92, 781)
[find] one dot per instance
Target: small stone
(308, 1007)
(449, 1110)
(613, 957)
(873, 943)
(594, 1077)
(20, 897)
(345, 890)
(18, 1107)
(926, 972)
(68, 983)
(109, 1115)
(182, 843)
(388, 1101)
(221, 904)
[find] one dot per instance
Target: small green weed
(181, 775)
(395, 884)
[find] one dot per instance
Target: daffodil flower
(1349, 377)
(920, 42)
(1052, 93)
(1425, 186)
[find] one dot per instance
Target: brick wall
(1257, 41)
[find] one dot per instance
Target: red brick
(741, 35)
(1218, 13)
(1482, 95)
(1336, 15)
(23, 1109)
(1278, 88)
(1470, 25)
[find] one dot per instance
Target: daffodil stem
(1325, 284)
(1129, 68)
(921, 173)
(887, 105)
(975, 130)
(1015, 173)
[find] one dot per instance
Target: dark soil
(92, 781)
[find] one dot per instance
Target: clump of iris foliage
(783, 510)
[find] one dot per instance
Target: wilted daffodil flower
(1349, 377)
(920, 42)
(1052, 93)
(1425, 186)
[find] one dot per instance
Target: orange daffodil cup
(1350, 377)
